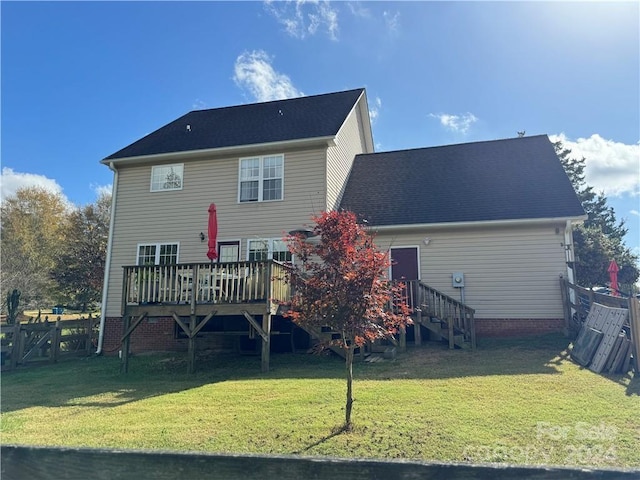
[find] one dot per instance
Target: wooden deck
(192, 294)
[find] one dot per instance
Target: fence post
(89, 341)
(634, 321)
(15, 348)
(55, 341)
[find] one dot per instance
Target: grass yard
(513, 401)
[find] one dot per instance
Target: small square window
(166, 177)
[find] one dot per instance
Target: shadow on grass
(96, 381)
(334, 433)
(629, 380)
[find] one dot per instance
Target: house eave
(231, 150)
(477, 224)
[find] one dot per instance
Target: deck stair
(444, 317)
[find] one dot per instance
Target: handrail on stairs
(433, 304)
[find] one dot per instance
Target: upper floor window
(166, 177)
(261, 178)
(157, 254)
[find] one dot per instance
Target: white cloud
(101, 190)
(456, 123)
(253, 71)
(11, 182)
(199, 105)
(302, 18)
(634, 212)
(374, 111)
(357, 9)
(391, 20)
(611, 167)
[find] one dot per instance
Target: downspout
(570, 260)
(569, 251)
(107, 266)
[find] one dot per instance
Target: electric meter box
(457, 279)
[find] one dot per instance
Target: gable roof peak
(279, 101)
(463, 144)
(512, 179)
(293, 119)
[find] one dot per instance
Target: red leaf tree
(340, 281)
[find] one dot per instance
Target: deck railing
(433, 304)
(263, 281)
(204, 283)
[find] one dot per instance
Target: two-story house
(486, 224)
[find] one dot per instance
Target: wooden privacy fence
(31, 343)
(48, 463)
(582, 324)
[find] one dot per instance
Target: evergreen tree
(601, 238)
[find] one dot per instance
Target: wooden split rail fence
(37, 343)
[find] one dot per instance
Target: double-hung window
(261, 179)
(280, 251)
(268, 248)
(157, 254)
(258, 250)
(166, 177)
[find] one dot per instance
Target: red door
(404, 267)
(404, 263)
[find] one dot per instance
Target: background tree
(79, 270)
(340, 282)
(32, 237)
(601, 238)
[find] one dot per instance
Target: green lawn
(515, 401)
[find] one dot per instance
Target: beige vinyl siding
(350, 141)
(179, 216)
(510, 272)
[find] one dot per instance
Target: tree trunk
(349, 350)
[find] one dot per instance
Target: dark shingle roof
(519, 178)
(276, 121)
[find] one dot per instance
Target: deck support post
(266, 342)
(417, 327)
(191, 352)
(403, 338)
(125, 342)
(124, 347)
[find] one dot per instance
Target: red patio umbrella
(613, 277)
(213, 232)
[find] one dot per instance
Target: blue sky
(80, 80)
